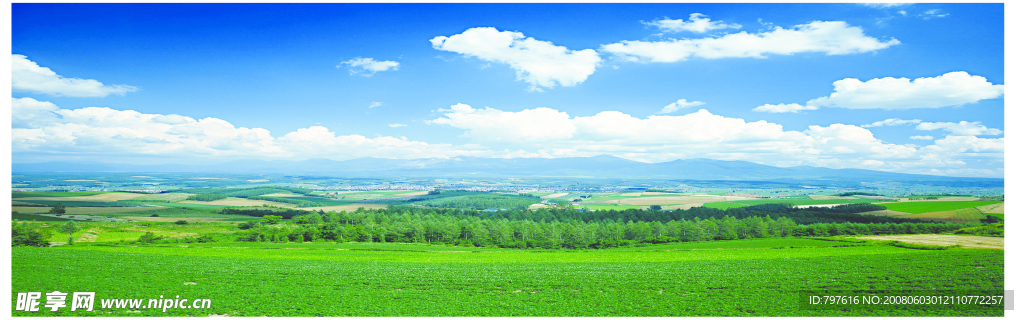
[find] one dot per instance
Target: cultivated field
(964, 215)
(241, 202)
(933, 206)
(103, 197)
(720, 278)
(946, 240)
(992, 208)
(85, 210)
(347, 207)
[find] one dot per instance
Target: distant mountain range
(590, 167)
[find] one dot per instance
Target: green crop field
(932, 206)
(723, 205)
(723, 278)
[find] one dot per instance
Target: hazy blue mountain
(592, 167)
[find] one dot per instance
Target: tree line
(455, 228)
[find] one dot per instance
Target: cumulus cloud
(933, 13)
(28, 76)
(890, 123)
(962, 128)
(545, 132)
(829, 37)
(951, 89)
(367, 66)
(679, 105)
(922, 138)
(885, 4)
(44, 128)
(784, 108)
(493, 125)
(698, 23)
(375, 104)
(538, 63)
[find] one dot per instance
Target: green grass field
(725, 278)
(801, 202)
(723, 205)
(932, 206)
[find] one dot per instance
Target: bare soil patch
(946, 240)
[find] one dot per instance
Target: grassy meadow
(722, 278)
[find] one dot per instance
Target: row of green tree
(483, 202)
(391, 226)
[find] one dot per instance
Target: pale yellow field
(347, 207)
(85, 210)
(657, 193)
(885, 213)
(818, 197)
(104, 197)
(964, 215)
(538, 206)
(946, 240)
(602, 201)
(677, 200)
(631, 194)
(555, 195)
(992, 208)
(241, 202)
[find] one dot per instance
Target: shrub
(181, 222)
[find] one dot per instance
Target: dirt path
(946, 240)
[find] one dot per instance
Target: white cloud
(545, 132)
(679, 105)
(890, 122)
(493, 125)
(963, 128)
(375, 104)
(396, 125)
(885, 4)
(933, 13)
(950, 89)
(829, 37)
(43, 128)
(922, 137)
(698, 23)
(28, 113)
(367, 66)
(539, 63)
(784, 108)
(28, 76)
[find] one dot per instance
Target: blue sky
(906, 88)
